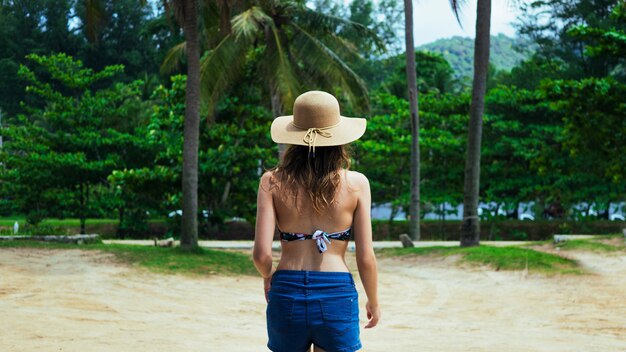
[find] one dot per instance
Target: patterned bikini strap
(322, 239)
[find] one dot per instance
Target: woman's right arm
(264, 230)
(365, 258)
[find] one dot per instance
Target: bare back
(298, 215)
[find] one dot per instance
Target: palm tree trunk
(189, 233)
(225, 26)
(470, 227)
(411, 79)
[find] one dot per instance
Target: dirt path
(72, 300)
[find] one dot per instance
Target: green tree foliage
(129, 33)
(434, 74)
(552, 24)
(529, 73)
(594, 126)
(35, 26)
(126, 32)
(603, 42)
(383, 152)
(234, 151)
(58, 155)
(518, 148)
(443, 137)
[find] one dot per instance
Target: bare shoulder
(267, 176)
(267, 181)
(357, 180)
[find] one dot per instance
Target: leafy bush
(518, 235)
(134, 224)
(43, 230)
(6, 232)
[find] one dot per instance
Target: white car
(525, 211)
(617, 211)
(489, 209)
(451, 212)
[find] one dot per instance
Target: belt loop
(306, 277)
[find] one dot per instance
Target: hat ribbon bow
(311, 136)
(321, 239)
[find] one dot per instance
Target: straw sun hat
(316, 121)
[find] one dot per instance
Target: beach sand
(73, 300)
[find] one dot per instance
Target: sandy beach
(73, 300)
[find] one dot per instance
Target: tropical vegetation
(94, 106)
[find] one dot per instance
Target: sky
(433, 19)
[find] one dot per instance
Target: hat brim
(349, 129)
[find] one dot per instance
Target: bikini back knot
(322, 239)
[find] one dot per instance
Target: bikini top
(321, 238)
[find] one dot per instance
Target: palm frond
(248, 23)
(210, 23)
(283, 75)
(174, 58)
(343, 47)
(220, 67)
(456, 6)
(323, 24)
(327, 66)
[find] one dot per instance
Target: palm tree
(411, 79)
(186, 13)
(470, 227)
(188, 10)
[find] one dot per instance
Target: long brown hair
(318, 176)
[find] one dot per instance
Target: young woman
(317, 205)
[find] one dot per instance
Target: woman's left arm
(264, 230)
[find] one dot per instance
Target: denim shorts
(316, 307)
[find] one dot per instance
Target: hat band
(311, 136)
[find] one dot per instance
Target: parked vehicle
(446, 211)
(582, 210)
(490, 210)
(617, 211)
(179, 212)
(525, 211)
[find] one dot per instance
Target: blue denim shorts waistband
(313, 277)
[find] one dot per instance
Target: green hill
(459, 51)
